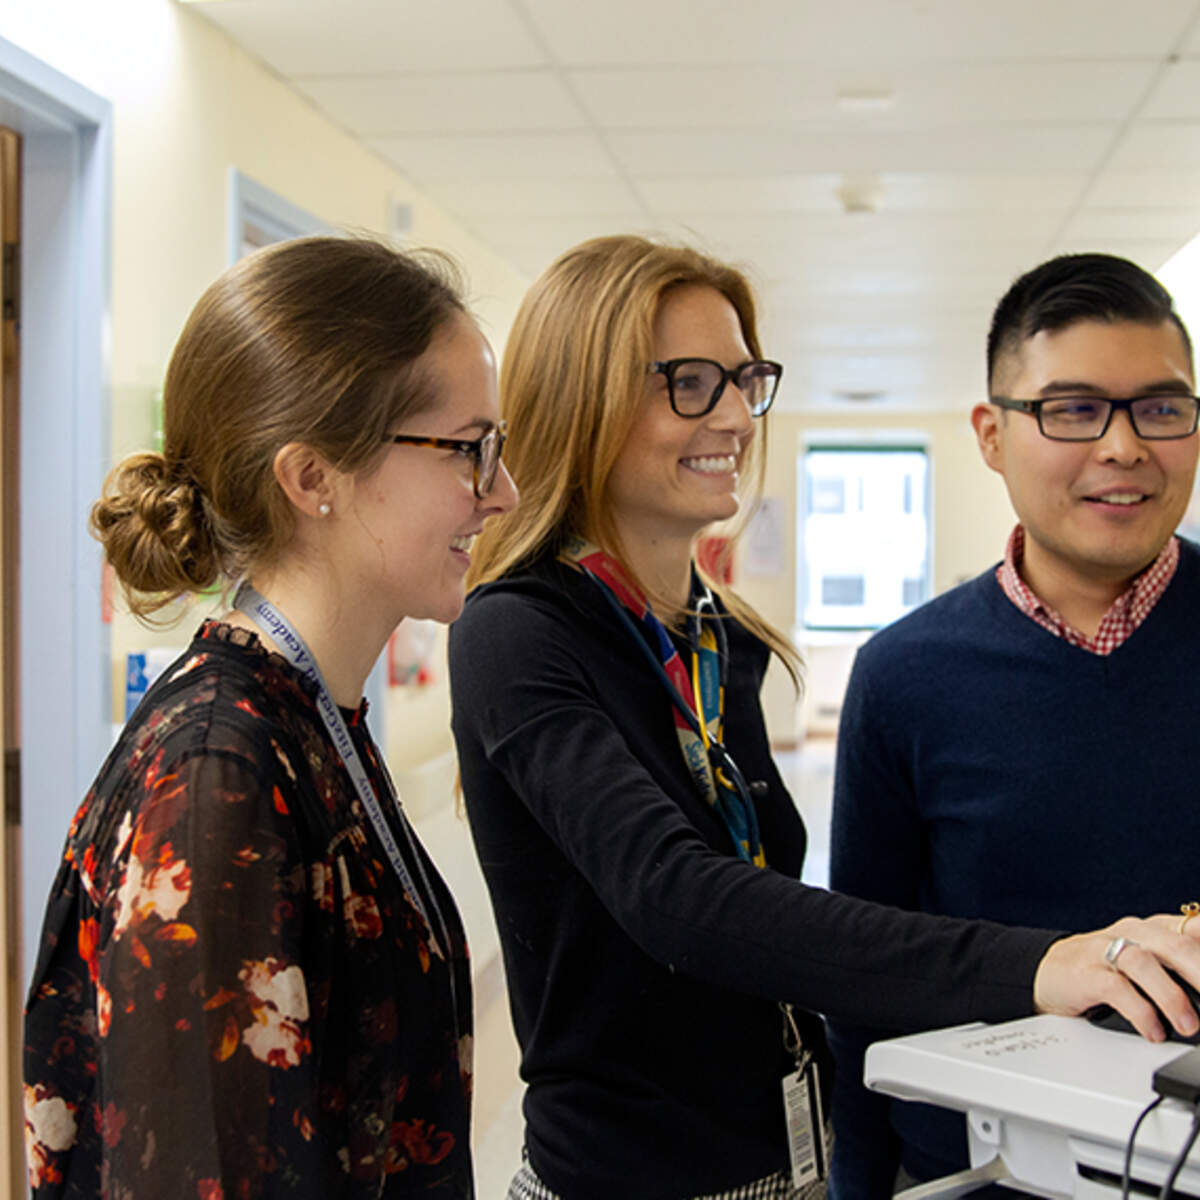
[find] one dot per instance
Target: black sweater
(644, 960)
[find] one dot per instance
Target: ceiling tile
(336, 37)
(693, 32)
(1103, 225)
(939, 94)
(1013, 191)
(1191, 44)
(899, 191)
(1158, 145)
(864, 283)
(1147, 253)
(1019, 90)
(870, 334)
(1178, 92)
(720, 153)
(749, 193)
(498, 156)
(1068, 147)
(456, 102)
(915, 234)
(561, 233)
(534, 198)
(1147, 189)
(531, 263)
(817, 299)
(917, 379)
(535, 245)
(658, 96)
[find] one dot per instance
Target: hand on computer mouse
(1108, 1018)
(1125, 966)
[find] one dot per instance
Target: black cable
(1129, 1144)
(1169, 1182)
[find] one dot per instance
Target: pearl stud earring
(323, 509)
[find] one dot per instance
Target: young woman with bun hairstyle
(665, 966)
(252, 980)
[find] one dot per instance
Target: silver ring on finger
(1113, 951)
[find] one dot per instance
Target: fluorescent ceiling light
(866, 100)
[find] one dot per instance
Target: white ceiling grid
(1014, 131)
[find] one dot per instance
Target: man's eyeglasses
(694, 385)
(484, 452)
(1087, 418)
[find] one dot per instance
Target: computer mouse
(1108, 1018)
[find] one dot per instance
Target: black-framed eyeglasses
(694, 385)
(1087, 418)
(483, 451)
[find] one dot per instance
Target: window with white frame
(864, 534)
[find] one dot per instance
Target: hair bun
(156, 536)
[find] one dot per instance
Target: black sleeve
(534, 710)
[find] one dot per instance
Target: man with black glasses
(1022, 748)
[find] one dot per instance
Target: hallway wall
(188, 105)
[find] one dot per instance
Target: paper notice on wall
(412, 651)
(762, 545)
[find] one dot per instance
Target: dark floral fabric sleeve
(185, 928)
(234, 998)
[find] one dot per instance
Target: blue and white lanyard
(291, 645)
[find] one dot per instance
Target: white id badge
(805, 1128)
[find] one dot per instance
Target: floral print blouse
(234, 997)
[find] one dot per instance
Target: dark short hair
(1078, 287)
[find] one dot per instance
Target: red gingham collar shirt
(1128, 610)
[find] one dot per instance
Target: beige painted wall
(188, 105)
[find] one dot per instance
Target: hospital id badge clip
(802, 1109)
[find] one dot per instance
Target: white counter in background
(828, 657)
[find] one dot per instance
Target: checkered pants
(526, 1185)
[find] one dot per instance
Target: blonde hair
(316, 340)
(571, 381)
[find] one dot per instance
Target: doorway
(11, 1124)
(54, 653)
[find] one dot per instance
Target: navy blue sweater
(987, 768)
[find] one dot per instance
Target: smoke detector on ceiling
(859, 194)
